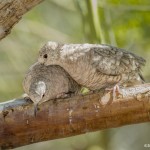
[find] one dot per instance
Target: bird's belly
(97, 80)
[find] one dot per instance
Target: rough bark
(72, 116)
(11, 12)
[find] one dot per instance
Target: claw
(116, 90)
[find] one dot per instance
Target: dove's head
(49, 53)
(37, 91)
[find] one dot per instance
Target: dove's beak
(41, 61)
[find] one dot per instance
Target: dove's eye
(45, 56)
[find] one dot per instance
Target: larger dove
(94, 66)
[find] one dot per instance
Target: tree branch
(72, 116)
(11, 12)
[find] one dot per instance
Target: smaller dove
(43, 83)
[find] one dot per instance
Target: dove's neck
(79, 70)
(70, 68)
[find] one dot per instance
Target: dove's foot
(65, 95)
(115, 91)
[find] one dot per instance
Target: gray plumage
(43, 83)
(93, 65)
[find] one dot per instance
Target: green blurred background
(122, 23)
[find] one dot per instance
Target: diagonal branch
(11, 12)
(72, 116)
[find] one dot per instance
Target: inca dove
(43, 83)
(93, 65)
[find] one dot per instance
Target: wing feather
(114, 61)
